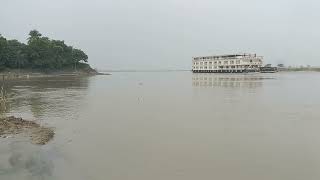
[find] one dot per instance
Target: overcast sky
(165, 34)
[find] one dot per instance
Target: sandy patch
(11, 126)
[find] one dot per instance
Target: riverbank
(13, 74)
(12, 126)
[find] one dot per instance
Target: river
(168, 125)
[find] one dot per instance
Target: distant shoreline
(143, 70)
(291, 69)
(295, 69)
(317, 69)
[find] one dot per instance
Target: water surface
(168, 125)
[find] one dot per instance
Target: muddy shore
(12, 126)
(14, 74)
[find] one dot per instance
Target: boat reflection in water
(228, 80)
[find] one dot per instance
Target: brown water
(168, 125)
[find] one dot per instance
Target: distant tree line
(39, 53)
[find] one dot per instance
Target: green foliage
(39, 53)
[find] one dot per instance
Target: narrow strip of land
(12, 126)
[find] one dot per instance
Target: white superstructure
(232, 63)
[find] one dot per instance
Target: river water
(168, 125)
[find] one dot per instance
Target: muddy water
(168, 125)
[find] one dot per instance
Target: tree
(34, 34)
(78, 56)
(39, 53)
(3, 50)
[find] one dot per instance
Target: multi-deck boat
(231, 63)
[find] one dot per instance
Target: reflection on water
(26, 162)
(48, 101)
(46, 96)
(228, 80)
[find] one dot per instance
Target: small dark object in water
(268, 69)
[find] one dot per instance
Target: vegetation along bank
(41, 54)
